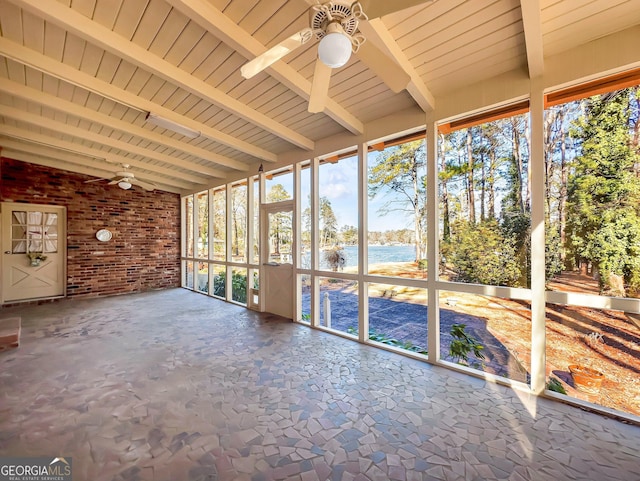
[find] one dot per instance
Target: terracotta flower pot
(586, 379)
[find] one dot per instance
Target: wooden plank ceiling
(78, 77)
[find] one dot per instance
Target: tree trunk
(471, 201)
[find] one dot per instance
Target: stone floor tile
(173, 385)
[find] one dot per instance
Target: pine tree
(604, 193)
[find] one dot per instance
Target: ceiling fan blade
(390, 72)
(379, 8)
(115, 181)
(145, 185)
(275, 53)
(319, 87)
(94, 180)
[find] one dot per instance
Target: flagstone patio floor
(173, 385)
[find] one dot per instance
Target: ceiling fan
(125, 180)
(335, 24)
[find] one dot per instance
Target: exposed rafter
(72, 21)
(29, 136)
(64, 72)
(377, 33)
(52, 102)
(49, 161)
(532, 25)
(216, 22)
(85, 134)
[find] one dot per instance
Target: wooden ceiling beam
(218, 24)
(96, 34)
(32, 95)
(114, 159)
(58, 70)
(532, 24)
(87, 135)
(57, 164)
(376, 32)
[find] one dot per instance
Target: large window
(338, 214)
(592, 200)
(479, 302)
(397, 196)
(484, 205)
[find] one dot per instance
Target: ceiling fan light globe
(334, 50)
(123, 184)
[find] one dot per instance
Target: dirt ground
(604, 340)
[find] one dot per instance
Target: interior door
(33, 251)
(276, 279)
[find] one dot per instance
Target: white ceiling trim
(96, 34)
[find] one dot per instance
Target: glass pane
(305, 296)
(239, 223)
(398, 316)
(255, 258)
(188, 235)
(484, 200)
(592, 354)
(219, 225)
(188, 275)
(279, 186)
(339, 304)
(280, 237)
(51, 219)
(397, 234)
(239, 285)
(19, 247)
(593, 195)
(202, 200)
(19, 218)
(338, 215)
(202, 282)
(305, 217)
(18, 232)
(487, 333)
(219, 281)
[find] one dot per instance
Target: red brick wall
(144, 252)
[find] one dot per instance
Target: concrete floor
(173, 385)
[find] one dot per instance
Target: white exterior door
(277, 244)
(33, 251)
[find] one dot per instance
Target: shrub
(463, 344)
(335, 258)
(481, 254)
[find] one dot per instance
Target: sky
(338, 183)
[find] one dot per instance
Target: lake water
(377, 254)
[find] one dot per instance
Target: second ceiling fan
(335, 24)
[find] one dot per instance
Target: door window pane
(280, 237)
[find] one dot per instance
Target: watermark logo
(35, 469)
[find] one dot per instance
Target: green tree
(604, 193)
(328, 224)
(400, 172)
(280, 226)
